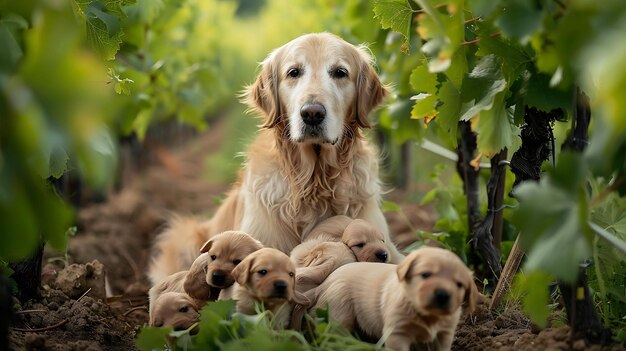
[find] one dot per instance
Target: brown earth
(74, 314)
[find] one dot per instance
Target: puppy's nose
(382, 256)
(313, 113)
(280, 286)
(218, 277)
(442, 298)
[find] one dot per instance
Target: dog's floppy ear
(404, 268)
(262, 95)
(207, 246)
(195, 284)
(370, 91)
(471, 294)
(241, 272)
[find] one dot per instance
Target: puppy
(420, 303)
(315, 260)
(191, 283)
(266, 277)
(364, 239)
(174, 309)
(211, 271)
(225, 251)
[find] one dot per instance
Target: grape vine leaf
(495, 127)
(553, 214)
(395, 15)
(481, 85)
(520, 19)
(426, 84)
(103, 24)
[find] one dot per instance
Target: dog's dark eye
(425, 275)
(183, 309)
(263, 272)
(360, 245)
(339, 73)
(294, 73)
(291, 274)
(459, 285)
(236, 262)
(213, 257)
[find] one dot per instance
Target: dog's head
(318, 87)
(224, 252)
(174, 309)
(268, 275)
(366, 241)
(436, 281)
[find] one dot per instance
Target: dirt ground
(76, 313)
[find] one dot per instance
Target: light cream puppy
(418, 301)
(266, 277)
(364, 239)
(173, 309)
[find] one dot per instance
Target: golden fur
(296, 175)
(420, 303)
(266, 277)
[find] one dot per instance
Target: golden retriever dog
(174, 309)
(314, 261)
(310, 159)
(417, 301)
(266, 277)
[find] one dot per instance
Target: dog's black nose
(280, 286)
(218, 277)
(382, 256)
(442, 298)
(313, 113)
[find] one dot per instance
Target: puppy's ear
(207, 246)
(241, 272)
(262, 95)
(471, 294)
(370, 91)
(301, 299)
(195, 281)
(404, 268)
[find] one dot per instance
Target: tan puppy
(211, 271)
(174, 309)
(191, 283)
(225, 251)
(266, 277)
(315, 260)
(364, 239)
(418, 301)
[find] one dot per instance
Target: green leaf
(443, 32)
(390, 206)
(395, 15)
(481, 86)
(554, 214)
(495, 127)
(534, 290)
(449, 108)
(58, 162)
(520, 19)
(11, 51)
(483, 8)
(423, 81)
(544, 97)
(151, 338)
(103, 22)
(97, 10)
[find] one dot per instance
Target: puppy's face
(268, 275)
(176, 310)
(366, 242)
(225, 251)
(316, 86)
(436, 281)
